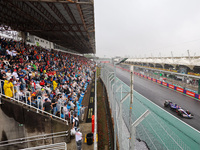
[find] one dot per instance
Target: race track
(158, 94)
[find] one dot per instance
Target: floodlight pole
(131, 102)
(115, 127)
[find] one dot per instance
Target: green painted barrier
(160, 130)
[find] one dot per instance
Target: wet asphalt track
(158, 94)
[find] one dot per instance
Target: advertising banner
(164, 83)
(190, 93)
(171, 86)
(179, 89)
(158, 81)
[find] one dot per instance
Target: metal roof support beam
(51, 30)
(82, 18)
(60, 1)
(21, 7)
(16, 21)
(72, 18)
(58, 13)
(43, 10)
(39, 20)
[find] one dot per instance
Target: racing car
(185, 114)
(174, 107)
(180, 111)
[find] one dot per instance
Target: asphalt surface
(158, 94)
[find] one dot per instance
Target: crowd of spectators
(57, 78)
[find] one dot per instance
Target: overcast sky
(144, 28)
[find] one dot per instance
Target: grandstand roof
(172, 61)
(69, 23)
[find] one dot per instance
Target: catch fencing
(159, 130)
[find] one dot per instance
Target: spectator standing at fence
(8, 74)
(54, 103)
(21, 95)
(23, 83)
(59, 102)
(79, 139)
(65, 111)
(47, 106)
(8, 88)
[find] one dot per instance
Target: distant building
(34, 40)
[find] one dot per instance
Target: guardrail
(39, 107)
(33, 138)
(57, 146)
(160, 129)
(38, 104)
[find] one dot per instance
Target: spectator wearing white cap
(79, 138)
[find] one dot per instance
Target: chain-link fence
(159, 130)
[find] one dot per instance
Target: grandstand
(45, 72)
(184, 65)
(180, 71)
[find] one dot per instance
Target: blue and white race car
(174, 107)
(185, 114)
(180, 111)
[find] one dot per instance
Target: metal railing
(33, 138)
(37, 108)
(159, 130)
(57, 146)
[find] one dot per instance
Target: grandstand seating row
(45, 79)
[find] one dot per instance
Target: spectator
(54, 84)
(8, 74)
(34, 69)
(54, 103)
(47, 106)
(82, 111)
(79, 139)
(65, 111)
(75, 122)
(8, 88)
(21, 95)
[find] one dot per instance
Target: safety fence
(38, 103)
(159, 130)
